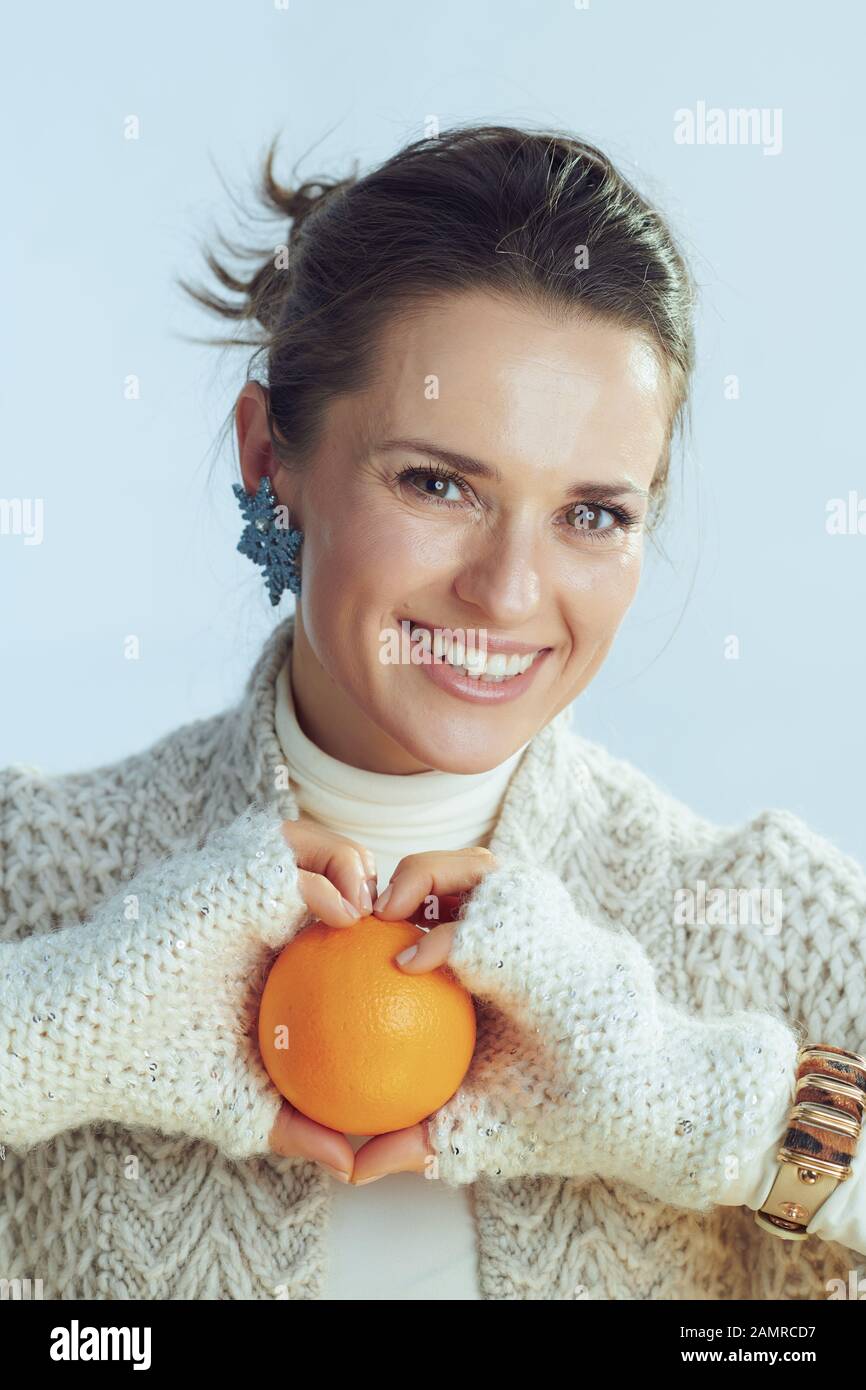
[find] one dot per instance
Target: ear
(255, 450)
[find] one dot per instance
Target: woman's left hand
(446, 876)
(580, 1066)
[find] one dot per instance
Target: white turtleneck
(401, 1237)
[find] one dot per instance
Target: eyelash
(626, 520)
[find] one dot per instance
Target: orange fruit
(351, 1040)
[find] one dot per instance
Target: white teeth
(471, 662)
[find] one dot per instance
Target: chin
(479, 764)
(444, 752)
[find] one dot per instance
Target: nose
(501, 576)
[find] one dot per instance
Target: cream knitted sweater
(628, 1061)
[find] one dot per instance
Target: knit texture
(591, 850)
(580, 1067)
(147, 1013)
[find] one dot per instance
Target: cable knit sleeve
(582, 1068)
(145, 1014)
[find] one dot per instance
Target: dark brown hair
(476, 207)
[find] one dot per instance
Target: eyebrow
(476, 468)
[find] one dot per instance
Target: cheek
(631, 565)
(364, 568)
(371, 560)
(339, 574)
(601, 590)
(341, 565)
(596, 610)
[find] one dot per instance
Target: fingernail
(362, 1181)
(382, 899)
(373, 885)
(337, 1172)
(406, 955)
(364, 895)
(350, 907)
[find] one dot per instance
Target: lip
(454, 682)
(464, 687)
(506, 645)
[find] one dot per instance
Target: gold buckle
(799, 1190)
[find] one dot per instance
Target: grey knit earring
(268, 543)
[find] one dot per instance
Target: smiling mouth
(492, 667)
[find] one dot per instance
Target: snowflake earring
(267, 542)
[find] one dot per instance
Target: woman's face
(541, 547)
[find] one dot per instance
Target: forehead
(503, 380)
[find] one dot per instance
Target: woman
(477, 358)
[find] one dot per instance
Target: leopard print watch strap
(821, 1139)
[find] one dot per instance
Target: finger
(420, 876)
(310, 840)
(358, 866)
(428, 953)
(295, 1135)
(345, 863)
(325, 901)
(444, 908)
(345, 868)
(403, 1151)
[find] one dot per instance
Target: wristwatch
(820, 1141)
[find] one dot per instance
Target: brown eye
(434, 484)
(586, 514)
(436, 487)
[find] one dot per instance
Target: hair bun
(300, 203)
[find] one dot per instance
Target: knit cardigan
(141, 904)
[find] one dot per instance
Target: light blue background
(140, 537)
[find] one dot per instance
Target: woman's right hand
(332, 872)
(147, 1013)
(336, 876)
